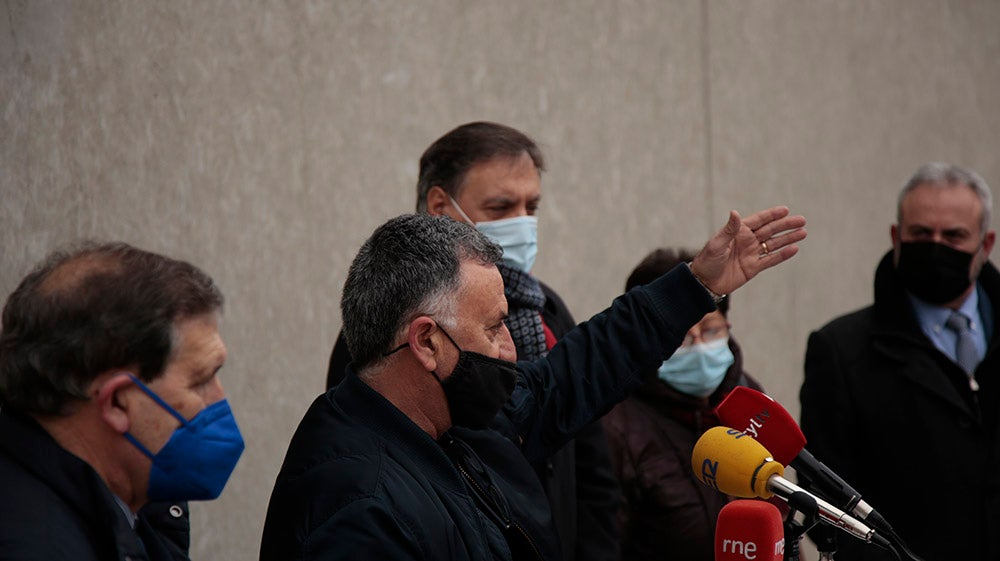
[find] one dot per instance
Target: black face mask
(477, 388)
(933, 272)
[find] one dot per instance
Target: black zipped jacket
(361, 481)
(583, 493)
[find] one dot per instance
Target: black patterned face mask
(933, 272)
(477, 388)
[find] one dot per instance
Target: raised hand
(745, 247)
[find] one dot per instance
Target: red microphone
(756, 414)
(770, 424)
(749, 530)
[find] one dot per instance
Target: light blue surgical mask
(196, 462)
(518, 236)
(698, 369)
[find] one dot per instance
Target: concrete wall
(264, 141)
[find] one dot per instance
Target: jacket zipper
(531, 542)
(505, 524)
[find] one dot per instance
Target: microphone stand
(825, 539)
(798, 502)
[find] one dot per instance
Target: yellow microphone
(732, 462)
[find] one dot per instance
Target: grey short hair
(947, 175)
(407, 268)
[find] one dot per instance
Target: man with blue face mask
(488, 175)
(653, 432)
(112, 414)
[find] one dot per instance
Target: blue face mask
(518, 236)
(196, 462)
(698, 369)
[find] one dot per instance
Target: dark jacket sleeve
(826, 416)
(827, 423)
(595, 492)
(597, 363)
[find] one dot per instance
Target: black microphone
(769, 423)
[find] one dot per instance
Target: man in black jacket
(109, 400)
(901, 398)
(405, 459)
(489, 175)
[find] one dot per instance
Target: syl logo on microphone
(757, 422)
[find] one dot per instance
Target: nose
(507, 349)
(215, 392)
(691, 337)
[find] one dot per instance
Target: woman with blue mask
(653, 432)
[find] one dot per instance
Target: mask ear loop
(462, 212)
(162, 404)
(460, 351)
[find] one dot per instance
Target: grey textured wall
(264, 141)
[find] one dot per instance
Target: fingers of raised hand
(767, 230)
(776, 249)
(761, 218)
(782, 239)
(771, 258)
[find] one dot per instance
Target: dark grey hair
(407, 268)
(948, 175)
(446, 162)
(89, 309)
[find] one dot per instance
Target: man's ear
(422, 343)
(114, 400)
(988, 241)
(437, 201)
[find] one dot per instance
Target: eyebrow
(947, 231)
(507, 199)
(499, 199)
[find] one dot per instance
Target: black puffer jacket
(583, 493)
(667, 513)
(361, 481)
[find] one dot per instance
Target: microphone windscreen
(749, 531)
(732, 462)
(765, 420)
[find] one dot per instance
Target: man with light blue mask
(517, 235)
(489, 175)
(652, 433)
(112, 415)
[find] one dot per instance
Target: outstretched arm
(745, 247)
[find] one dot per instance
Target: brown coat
(666, 512)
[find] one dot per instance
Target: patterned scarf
(525, 300)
